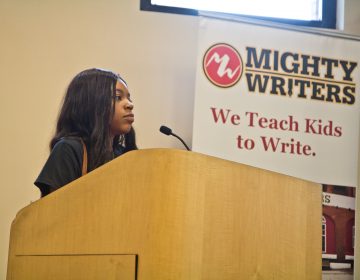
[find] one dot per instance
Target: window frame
(323, 236)
(328, 10)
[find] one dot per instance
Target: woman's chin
(126, 130)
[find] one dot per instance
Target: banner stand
(283, 98)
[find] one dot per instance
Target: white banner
(278, 99)
(341, 201)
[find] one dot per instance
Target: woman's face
(123, 116)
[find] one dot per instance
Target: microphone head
(164, 129)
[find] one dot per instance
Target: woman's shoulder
(66, 143)
(68, 147)
(63, 165)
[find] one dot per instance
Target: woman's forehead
(120, 84)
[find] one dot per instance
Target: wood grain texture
(75, 267)
(186, 215)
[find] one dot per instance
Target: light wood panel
(186, 215)
(75, 267)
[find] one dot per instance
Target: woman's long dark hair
(86, 113)
(130, 141)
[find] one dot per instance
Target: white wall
(352, 26)
(45, 43)
(352, 17)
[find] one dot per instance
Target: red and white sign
(278, 99)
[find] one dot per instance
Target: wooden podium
(171, 214)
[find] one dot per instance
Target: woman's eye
(117, 98)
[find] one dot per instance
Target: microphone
(167, 131)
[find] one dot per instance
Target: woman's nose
(129, 105)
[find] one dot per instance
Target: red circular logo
(222, 65)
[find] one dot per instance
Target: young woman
(95, 121)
